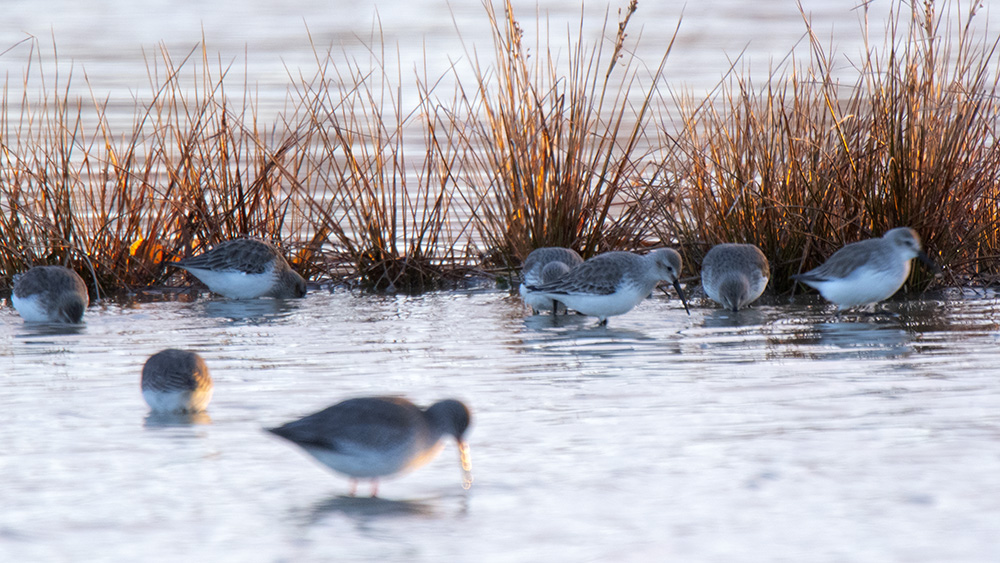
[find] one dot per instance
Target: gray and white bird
(245, 268)
(50, 294)
(613, 283)
(542, 266)
(375, 437)
(734, 275)
(866, 272)
(176, 381)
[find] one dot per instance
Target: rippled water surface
(781, 433)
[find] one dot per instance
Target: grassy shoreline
(361, 189)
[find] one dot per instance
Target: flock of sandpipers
(373, 437)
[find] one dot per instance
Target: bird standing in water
(376, 437)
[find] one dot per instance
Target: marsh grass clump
(118, 208)
(553, 145)
(803, 164)
(389, 220)
(211, 173)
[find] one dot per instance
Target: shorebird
(50, 294)
(375, 437)
(245, 268)
(868, 271)
(542, 266)
(734, 275)
(613, 283)
(176, 381)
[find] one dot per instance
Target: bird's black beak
(677, 286)
(922, 256)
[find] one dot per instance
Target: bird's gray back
(244, 255)
(554, 271)
(844, 261)
(601, 275)
(379, 423)
(174, 369)
(53, 280)
(533, 264)
(729, 259)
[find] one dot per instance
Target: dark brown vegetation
(804, 164)
(359, 187)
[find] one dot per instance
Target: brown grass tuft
(553, 147)
(804, 164)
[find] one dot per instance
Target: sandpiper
(50, 294)
(866, 272)
(375, 437)
(734, 275)
(176, 381)
(542, 266)
(613, 283)
(245, 268)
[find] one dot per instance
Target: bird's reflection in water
(39, 330)
(170, 419)
(248, 309)
(724, 318)
(870, 336)
(592, 340)
(364, 508)
(544, 321)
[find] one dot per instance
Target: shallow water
(781, 433)
(778, 434)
